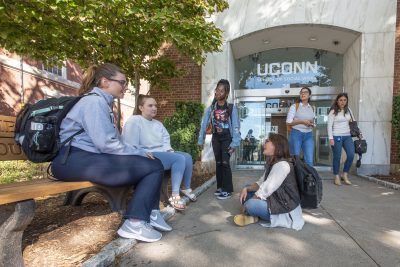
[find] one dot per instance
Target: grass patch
(21, 170)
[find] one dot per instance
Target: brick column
(395, 146)
(184, 88)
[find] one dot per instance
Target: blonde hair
(94, 74)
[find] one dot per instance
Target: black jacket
(286, 198)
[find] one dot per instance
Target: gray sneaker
(142, 231)
(158, 222)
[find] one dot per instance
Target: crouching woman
(275, 197)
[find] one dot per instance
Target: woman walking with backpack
(100, 156)
(225, 136)
(339, 136)
(300, 119)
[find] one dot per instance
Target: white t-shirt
(338, 125)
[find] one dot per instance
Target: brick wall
(395, 146)
(184, 88)
(34, 89)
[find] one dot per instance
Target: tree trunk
(119, 115)
(137, 89)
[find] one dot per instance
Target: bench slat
(28, 190)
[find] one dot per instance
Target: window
(51, 67)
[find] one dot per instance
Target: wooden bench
(17, 205)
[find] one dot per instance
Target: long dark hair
(335, 106)
(94, 74)
(281, 145)
(309, 91)
(227, 88)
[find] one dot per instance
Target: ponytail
(88, 80)
(94, 74)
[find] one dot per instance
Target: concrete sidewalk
(357, 225)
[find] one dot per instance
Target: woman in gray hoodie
(99, 155)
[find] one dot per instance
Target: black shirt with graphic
(221, 117)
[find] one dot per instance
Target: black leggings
(116, 170)
(220, 143)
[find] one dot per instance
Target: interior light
(313, 38)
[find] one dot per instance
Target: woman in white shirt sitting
(150, 134)
(275, 197)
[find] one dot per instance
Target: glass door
(322, 148)
(252, 128)
(259, 116)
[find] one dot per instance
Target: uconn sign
(285, 68)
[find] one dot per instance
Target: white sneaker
(158, 222)
(140, 230)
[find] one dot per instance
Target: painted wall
(368, 63)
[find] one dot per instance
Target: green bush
(21, 170)
(396, 117)
(184, 127)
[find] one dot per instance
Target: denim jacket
(234, 126)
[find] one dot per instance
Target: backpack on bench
(309, 183)
(37, 127)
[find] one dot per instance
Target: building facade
(273, 48)
(26, 81)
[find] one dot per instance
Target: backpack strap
(297, 105)
(351, 114)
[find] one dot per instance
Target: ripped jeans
(220, 143)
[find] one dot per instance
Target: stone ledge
(384, 183)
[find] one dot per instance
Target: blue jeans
(299, 140)
(115, 170)
(181, 166)
(256, 207)
(347, 143)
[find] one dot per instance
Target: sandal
(177, 203)
(189, 193)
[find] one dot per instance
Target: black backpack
(309, 183)
(37, 127)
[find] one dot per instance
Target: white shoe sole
(125, 234)
(223, 198)
(160, 227)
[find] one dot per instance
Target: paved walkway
(356, 225)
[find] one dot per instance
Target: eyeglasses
(123, 83)
(304, 92)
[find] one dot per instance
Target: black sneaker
(218, 192)
(224, 195)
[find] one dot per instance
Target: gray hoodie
(94, 114)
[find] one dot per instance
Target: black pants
(116, 170)
(220, 143)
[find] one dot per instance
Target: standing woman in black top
(225, 136)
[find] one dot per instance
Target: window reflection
(289, 68)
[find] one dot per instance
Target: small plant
(184, 127)
(396, 117)
(21, 170)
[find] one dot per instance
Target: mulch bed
(67, 236)
(392, 178)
